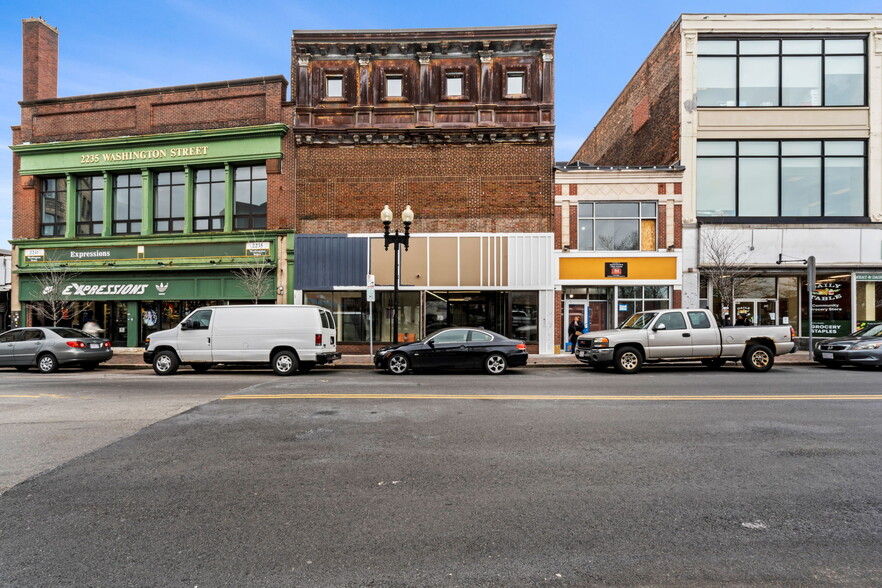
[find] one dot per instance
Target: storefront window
(90, 205)
(831, 307)
(126, 204)
(525, 316)
(169, 202)
(53, 199)
(250, 195)
(869, 303)
(351, 313)
(633, 299)
(209, 199)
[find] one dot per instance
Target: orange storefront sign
(639, 268)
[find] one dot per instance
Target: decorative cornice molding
(327, 137)
(425, 57)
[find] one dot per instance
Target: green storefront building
(135, 232)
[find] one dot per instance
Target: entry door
(194, 344)
(761, 311)
(573, 309)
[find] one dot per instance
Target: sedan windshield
(639, 321)
(869, 331)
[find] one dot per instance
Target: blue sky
(127, 45)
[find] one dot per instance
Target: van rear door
(329, 331)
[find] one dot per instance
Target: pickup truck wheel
(628, 360)
(714, 363)
(285, 363)
(758, 358)
(165, 363)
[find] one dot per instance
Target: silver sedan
(49, 348)
(863, 347)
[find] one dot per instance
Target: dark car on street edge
(457, 348)
(49, 348)
(863, 347)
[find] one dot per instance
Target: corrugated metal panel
(530, 261)
(322, 262)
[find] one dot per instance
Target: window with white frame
(617, 226)
(453, 84)
(394, 86)
(334, 86)
(514, 83)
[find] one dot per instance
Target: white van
(289, 337)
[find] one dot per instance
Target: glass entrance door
(572, 310)
(760, 311)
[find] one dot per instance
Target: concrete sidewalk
(132, 358)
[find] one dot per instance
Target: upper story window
(334, 86)
(250, 196)
(209, 199)
(394, 86)
(169, 202)
(126, 204)
(617, 226)
(514, 83)
(781, 178)
(453, 84)
(767, 72)
(90, 205)
(53, 207)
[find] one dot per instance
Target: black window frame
(780, 55)
(157, 186)
(250, 181)
(58, 228)
(92, 227)
(212, 220)
(129, 221)
(779, 218)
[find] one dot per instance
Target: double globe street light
(397, 240)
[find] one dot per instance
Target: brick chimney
(39, 60)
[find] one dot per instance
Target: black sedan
(458, 348)
(863, 347)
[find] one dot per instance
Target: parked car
(863, 347)
(456, 348)
(49, 348)
(681, 335)
(291, 338)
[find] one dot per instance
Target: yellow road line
(32, 396)
(552, 397)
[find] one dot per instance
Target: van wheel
(165, 363)
(714, 363)
(495, 364)
(285, 363)
(306, 366)
(628, 360)
(201, 368)
(758, 358)
(47, 363)
(398, 364)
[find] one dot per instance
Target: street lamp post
(397, 240)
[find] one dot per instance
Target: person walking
(574, 330)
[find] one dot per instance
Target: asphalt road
(674, 476)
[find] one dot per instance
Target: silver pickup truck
(683, 335)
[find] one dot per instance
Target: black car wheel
(398, 364)
(47, 363)
(495, 364)
(758, 358)
(285, 363)
(165, 363)
(628, 360)
(200, 368)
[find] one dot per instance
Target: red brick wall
(39, 50)
(642, 127)
(500, 187)
(228, 104)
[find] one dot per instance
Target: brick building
(456, 123)
(776, 120)
(135, 207)
(146, 203)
